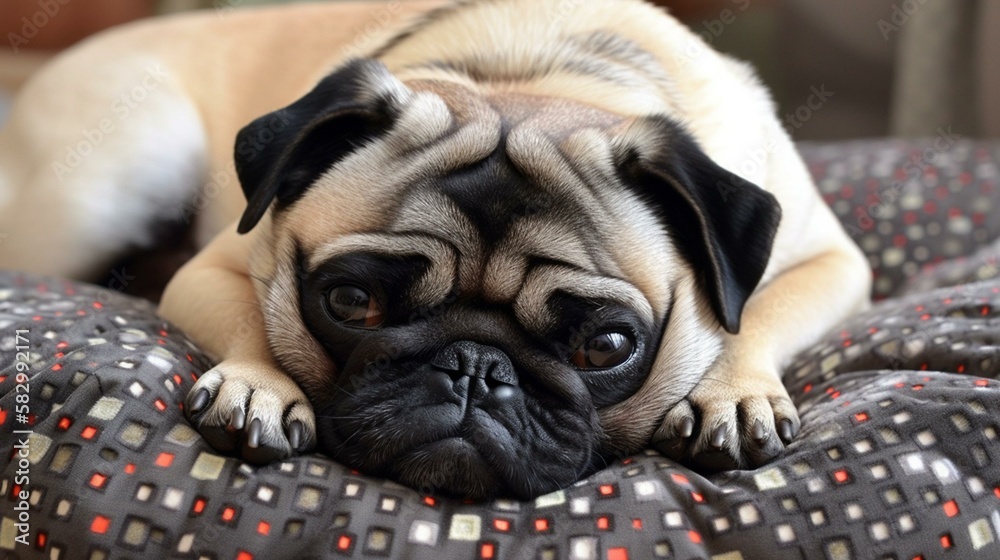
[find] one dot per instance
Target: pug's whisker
(339, 417)
(345, 391)
(604, 461)
(343, 444)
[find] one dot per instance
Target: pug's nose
(469, 359)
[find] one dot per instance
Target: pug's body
(516, 239)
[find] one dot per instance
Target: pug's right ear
(279, 155)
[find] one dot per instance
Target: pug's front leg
(739, 414)
(246, 403)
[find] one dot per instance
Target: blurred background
(838, 70)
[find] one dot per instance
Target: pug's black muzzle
(460, 424)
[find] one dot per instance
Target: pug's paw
(253, 409)
(729, 422)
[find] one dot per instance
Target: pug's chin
(451, 466)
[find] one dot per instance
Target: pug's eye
(603, 351)
(355, 307)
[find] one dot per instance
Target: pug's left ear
(279, 155)
(722, 224)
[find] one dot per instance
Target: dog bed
(898, 456)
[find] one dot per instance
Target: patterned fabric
(910, 205)
(898, 456)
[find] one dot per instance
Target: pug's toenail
(295, 434)
(686, 427)
(253, 434)
(200, 400)
(786, 431)
(719, 437)
(238, 419)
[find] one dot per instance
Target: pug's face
(477, 292)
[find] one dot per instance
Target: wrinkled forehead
(487, 188)
(442, 128)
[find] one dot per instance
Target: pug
(510, 242)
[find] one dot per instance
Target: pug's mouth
(452, 466)
(470, 461)
(432, 461)
(482, 441)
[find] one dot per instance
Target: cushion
(898, 455)
(910, 205)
